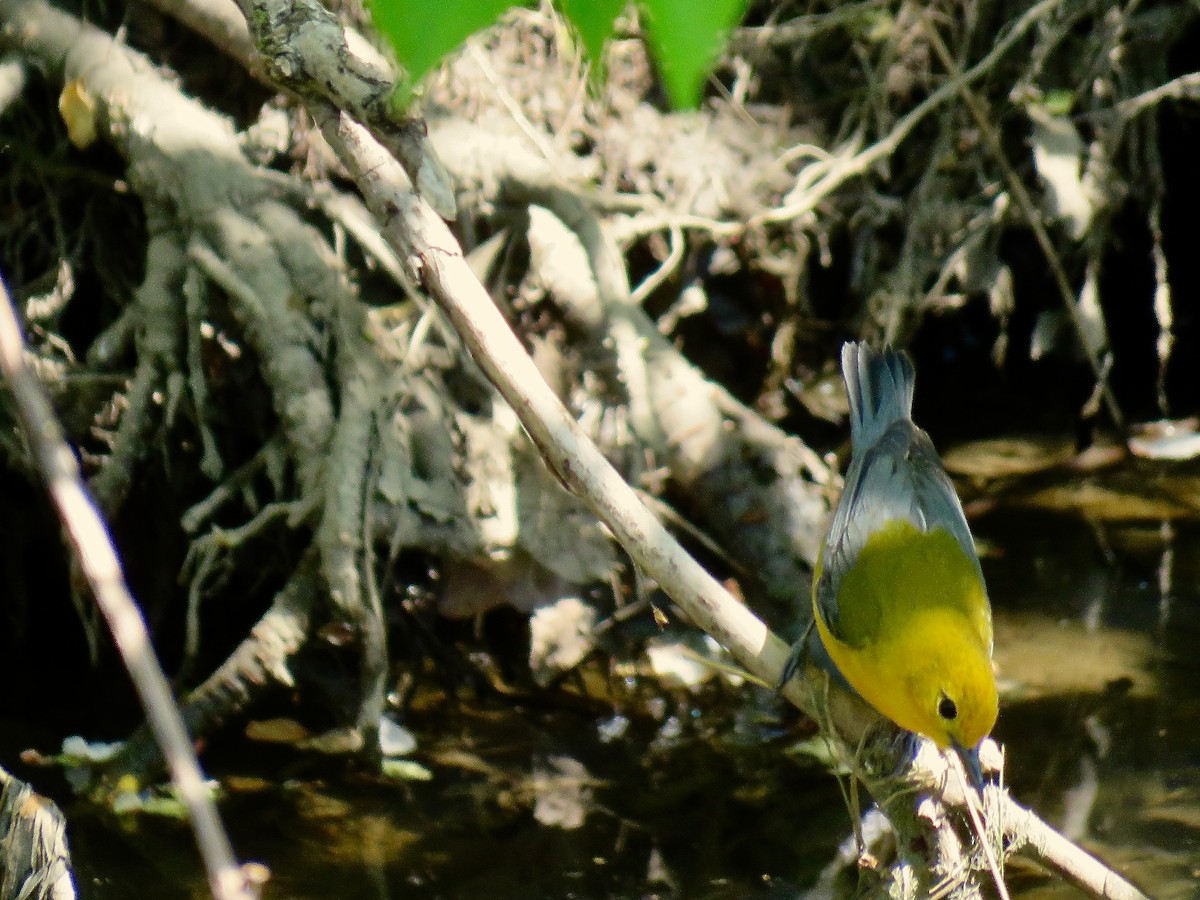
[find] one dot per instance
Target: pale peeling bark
(35, 863)
(309, 51)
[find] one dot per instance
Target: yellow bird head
(953, 701)
(951, 697)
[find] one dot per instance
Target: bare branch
(98, 562)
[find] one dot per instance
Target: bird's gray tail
(879, 384)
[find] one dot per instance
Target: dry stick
(1029, 209)
(1185, 87)
(802, 28)
(98, 562)
(1082, 868)
(419, 235)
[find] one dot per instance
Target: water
(697, 795)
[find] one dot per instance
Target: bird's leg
(797, 658)
(811, 649)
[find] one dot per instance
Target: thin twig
(1056, 850)
(1185, 87)
(669, 266)
(801, 29)
(842, 168)
(98, 562)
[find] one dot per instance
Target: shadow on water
(1098, 643)
(697, 795)
(520, 805)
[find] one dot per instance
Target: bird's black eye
(947, 709)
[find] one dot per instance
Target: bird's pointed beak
(970, 760)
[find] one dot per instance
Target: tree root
(390, 453)
(258, 664)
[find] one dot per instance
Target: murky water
(1098, 635)
(1098, 640)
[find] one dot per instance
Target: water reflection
(1097, 629)
(697, 796)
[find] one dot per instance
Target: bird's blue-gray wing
(898, 478)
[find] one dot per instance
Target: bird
(899, 601)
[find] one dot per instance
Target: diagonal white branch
(99, 564)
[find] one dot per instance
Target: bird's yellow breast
(913, 625)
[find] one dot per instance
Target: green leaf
(594, 20)
(423, 32)
(405, 770)
(1059, 102)
(687, 35)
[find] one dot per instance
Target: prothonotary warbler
(898, 596)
